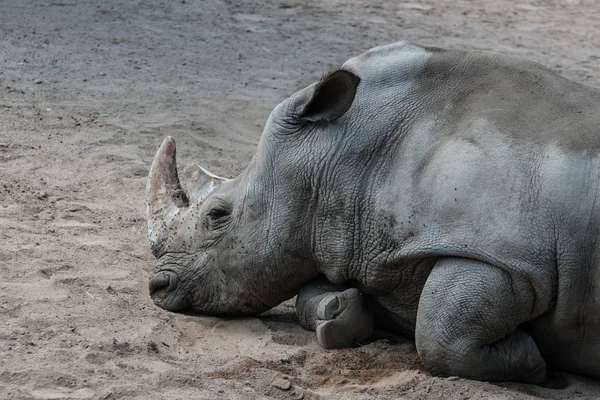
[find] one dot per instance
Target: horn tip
(168, 144)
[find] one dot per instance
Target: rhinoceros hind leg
(338, 315)
(467, 324)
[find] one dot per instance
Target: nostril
(163, 290)
(159, 281)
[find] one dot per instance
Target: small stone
(42, 195)
(152, 347)
(39, 81)
(452, 378)
(282, 384)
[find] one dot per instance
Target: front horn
(164, 196)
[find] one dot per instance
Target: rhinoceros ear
(333, 96)
(199, 183)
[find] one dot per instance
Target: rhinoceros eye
(218, 217)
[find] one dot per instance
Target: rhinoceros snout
(159, 281)
(162, 287)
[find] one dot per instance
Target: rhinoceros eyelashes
(332, 97)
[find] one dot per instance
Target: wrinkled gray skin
(450, 196)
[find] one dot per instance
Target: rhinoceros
(448, 196)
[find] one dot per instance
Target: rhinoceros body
(452, 196)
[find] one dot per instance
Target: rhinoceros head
(242, 246)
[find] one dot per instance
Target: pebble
(42, 195)
(39, 81)
(282, 384)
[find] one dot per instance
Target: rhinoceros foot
(343, 320)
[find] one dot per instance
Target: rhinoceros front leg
(467, 324)
(337, 314)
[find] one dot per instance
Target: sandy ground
(89, 89)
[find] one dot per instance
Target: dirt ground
(89, 89)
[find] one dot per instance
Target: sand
(89, 89)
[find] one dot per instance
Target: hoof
(343, 320)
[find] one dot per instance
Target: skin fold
(450, 196)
